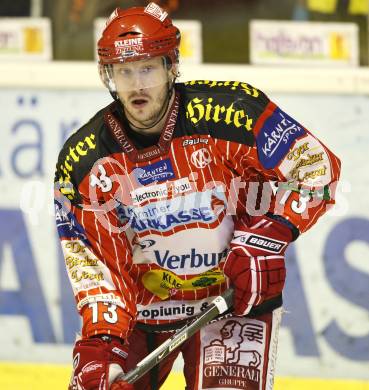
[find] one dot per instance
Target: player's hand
(255, 263)
(97, 362)
(121, 385)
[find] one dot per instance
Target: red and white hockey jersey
(145, 230)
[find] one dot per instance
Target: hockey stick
(218, 306)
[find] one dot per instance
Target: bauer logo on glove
(256, 241)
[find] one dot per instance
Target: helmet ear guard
(106, 76)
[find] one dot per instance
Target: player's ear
(172, 68)
(173, 72)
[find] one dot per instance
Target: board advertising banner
(325, 328)
(25, 39)
(303, 43)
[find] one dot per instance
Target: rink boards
(325, 332)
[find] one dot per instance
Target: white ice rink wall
(325, 331)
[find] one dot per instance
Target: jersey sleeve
(98, 261)
(301, 170)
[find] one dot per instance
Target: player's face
(142, 87)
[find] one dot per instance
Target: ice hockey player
(169, 195)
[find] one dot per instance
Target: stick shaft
(218, 306)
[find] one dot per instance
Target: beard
(150, 114)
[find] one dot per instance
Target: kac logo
(201, 158)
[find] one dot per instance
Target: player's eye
(125, 72)
(147, 69)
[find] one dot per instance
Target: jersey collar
(137, 155)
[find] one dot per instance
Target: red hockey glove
(255, 262)
(121, 385)
(97, 362)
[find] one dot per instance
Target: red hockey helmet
(138, 33)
